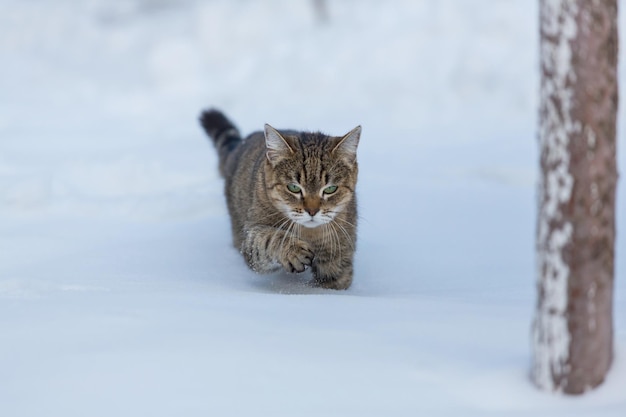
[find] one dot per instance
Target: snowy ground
(120, 293)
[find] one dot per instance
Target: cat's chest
(323, 236)
(312, 235)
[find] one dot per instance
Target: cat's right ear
(277, 147)
(347, 145)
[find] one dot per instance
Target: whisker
(330, 241)
(359, 217)
(325, 236)
(287, 233)
(279, 216)
(345, 221)
(336, 241)
(345, 232)
(279, 229)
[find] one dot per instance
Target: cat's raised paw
(297, 257)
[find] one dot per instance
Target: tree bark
(573, 326)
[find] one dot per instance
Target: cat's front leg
(334, 274)
(266, 249)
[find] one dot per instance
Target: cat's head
(311, 177)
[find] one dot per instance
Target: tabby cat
(291, 198)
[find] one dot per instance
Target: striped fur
(291, 198)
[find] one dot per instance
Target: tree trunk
(573, 326)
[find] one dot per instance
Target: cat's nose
(312, 210)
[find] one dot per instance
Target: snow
(120, 291)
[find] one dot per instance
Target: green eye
(330, 190)
(293, 188)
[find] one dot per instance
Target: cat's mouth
(309, 222)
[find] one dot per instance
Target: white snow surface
(120, 291)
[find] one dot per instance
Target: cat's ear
(348, 144)
(277, 146)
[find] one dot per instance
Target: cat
(291, 198)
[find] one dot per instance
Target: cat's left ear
(348, 144)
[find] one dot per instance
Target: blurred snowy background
(120, 292)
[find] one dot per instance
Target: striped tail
(225, 135)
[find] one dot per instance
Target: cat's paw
(341, 283)
(297, 257)
(332, 277)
